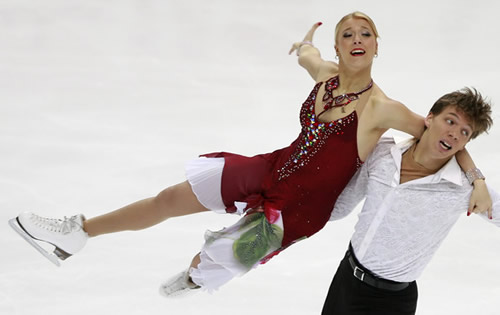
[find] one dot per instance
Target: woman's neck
(352, 81)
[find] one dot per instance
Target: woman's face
(356, 43)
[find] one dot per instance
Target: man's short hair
(472, 104)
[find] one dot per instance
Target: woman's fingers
(295, 46)
(310, 34)
(307, 38)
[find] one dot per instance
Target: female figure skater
(286, 195)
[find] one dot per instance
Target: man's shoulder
(381, 153)
(383, 146)
(386, 141)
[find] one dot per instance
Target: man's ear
(428, 120)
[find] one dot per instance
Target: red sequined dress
(301, 181)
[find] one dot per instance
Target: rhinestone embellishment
(313, 135)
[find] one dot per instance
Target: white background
(102, 103)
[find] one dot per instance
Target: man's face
(448, 132)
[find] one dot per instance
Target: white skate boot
(66, 235)
(178, 286)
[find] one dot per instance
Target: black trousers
(349, 296)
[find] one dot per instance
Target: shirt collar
(451, 171)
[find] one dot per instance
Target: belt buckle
(359, 273)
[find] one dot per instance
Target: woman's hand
(310, 57)
(480, 199)
(307, 39)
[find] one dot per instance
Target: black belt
(368, 278)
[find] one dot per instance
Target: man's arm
(352, 194)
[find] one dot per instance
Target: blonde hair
(356, 15)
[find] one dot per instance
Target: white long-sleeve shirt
(401, 226)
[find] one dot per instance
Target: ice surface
(102, 102)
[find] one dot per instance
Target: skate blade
(15, 226)
(181, 294)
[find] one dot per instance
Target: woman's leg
(177, 200)
(196, 261)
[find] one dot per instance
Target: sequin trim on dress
(359, 163)
(342, 100)
(313, 135)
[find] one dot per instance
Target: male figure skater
(415, 191)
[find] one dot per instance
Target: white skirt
(205, 176)
(235, 250)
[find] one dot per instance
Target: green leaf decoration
(255, 243)
(251, 220)
(274, 235)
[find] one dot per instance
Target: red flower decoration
(272, 215)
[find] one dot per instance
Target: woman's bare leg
(196, 261)
(174, 201)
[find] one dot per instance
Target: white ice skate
(66, 235)
(178, 286)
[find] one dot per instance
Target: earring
(376, 55)
(336, 56)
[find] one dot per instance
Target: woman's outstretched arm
(310, 57)
(480, 199)
(405, 120)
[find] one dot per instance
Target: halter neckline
(339, 100)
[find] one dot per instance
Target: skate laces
(65, 226)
